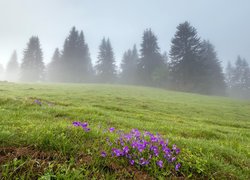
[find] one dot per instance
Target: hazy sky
(226, 23)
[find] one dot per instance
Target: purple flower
(140, 147)
(103, 154)
(134, 144)
(153, 139)
(75, 123)
(155, 150)
(143, 162)
(112, 129)
(117, 152)
(162, 143)
(160, 163)
(132, 162)
(173, 159)
(136, 133)
(84, 124)
(86, 129)
(177, 166)
(146, 133)
(166, 150)
(127, 136)
(177, 150)
(125, 150)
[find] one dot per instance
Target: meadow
(39, 141)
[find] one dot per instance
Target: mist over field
(124, 89)
(175, 47)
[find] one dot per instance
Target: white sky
(226, 23)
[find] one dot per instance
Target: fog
(225, 23)
(123, 25)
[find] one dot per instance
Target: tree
(160, 76)
(12, 69)
(32, 66)
(238, 78)
(85, 60)
(54, 70)
(241, 75)
(128, 66)
(1, 72)
(150, 59)
(184, 56)
(105, 67)
(76, 62)
(212, 80)
(229, 75)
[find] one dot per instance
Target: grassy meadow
(38, 140)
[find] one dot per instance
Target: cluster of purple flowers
(143, 149)
(83, 125)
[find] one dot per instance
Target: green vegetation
(39, 140)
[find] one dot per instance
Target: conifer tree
(54, 70)
(105, 67)
(128, 66)
(160, 76)
(150, 59)
(229, 75)
(238, 79)
(241, 75)
(184, 58)
(32, 66)
(12, 69)
(76, 62)
(212, 80)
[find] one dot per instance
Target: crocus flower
(132, 162)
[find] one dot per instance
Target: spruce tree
(184, 58)
(128, 66)
(238, 79)
(229, 75)
(241, 75)
(150, 59)
(54, 70)
(105, 67)
(84, 58)
(12, 69)
(160, 76)
(212, 80)
(76, 62)
(32, 66)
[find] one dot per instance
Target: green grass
(213, 133)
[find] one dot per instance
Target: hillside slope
(37, 138)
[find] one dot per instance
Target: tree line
(191, 65)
